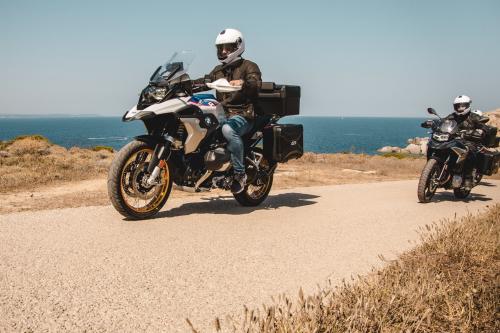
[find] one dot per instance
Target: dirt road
(86, 268)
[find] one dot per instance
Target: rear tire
(123, 187)
(461, 193)
(250, 196)
(478, 179)
(426, 184)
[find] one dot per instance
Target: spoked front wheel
(128, 189)
(429, 181)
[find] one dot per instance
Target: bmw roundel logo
(208, 121)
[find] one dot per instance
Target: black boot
(238, 184)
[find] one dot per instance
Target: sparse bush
(399, 155)
(4, 145)
(34, 161)
(34, 137)
(29, 145)
(449, 283)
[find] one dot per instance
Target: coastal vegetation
(448, 283)
(36, 174)
(30, 161)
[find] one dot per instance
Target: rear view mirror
(426, 124)
(431, 111)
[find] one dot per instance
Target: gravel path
(86, 269)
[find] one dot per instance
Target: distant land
(93, 115)
(53, 115)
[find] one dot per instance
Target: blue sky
(351, 58)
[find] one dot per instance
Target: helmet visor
(461, 107)
(223, 50)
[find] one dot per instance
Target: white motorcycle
(185, 146)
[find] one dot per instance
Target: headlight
(159, 93)
(156, 93)
(440, 137)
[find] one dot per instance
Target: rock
(423, 147)
(385, 149)
(417, 140)
(4, 153)
(389, 149)
(413, 149)
(416, 146)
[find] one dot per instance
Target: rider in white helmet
(230, 45)
(239, 105)
(469, 121)
(463, 114)
(461, 105)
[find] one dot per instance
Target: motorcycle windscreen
(173, 68)
(448, 126)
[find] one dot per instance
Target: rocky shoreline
(416, 146)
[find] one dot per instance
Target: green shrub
(35, 137)
(399, 155)
(99, 148)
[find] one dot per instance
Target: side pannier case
(490, 138)
(283, 142)
(487, 163)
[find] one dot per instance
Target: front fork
(160, 155)
(443, 171)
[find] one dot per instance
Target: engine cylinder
(217, 158)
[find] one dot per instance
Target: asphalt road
(86, 268)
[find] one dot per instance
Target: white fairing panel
(195, 134)
(172, 105)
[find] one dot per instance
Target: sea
(321, 134)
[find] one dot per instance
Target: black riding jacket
(470, 123)
(240, 102)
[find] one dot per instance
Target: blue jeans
(233, 129)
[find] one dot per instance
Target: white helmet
(461, 104)
(230, 45)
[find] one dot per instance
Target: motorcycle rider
(468, 121)
(238, 105)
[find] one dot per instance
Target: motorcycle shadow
(227, 205)
(448, 196)
(483, 183)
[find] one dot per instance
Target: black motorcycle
(448, 150)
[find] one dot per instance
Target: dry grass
(32, 162)
(450, 283)
(331, 169)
